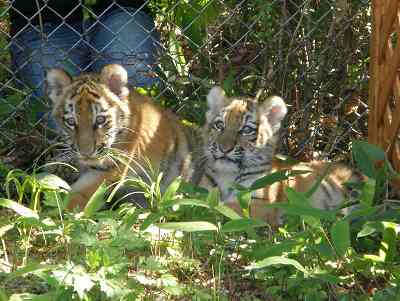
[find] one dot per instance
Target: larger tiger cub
(240, 137)
(98, 113)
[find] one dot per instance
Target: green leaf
(270, 179)
(187, 202)
(366, 155)
(171, 190)
(244, 198)
(3, 295)
(227, 211)
(21, 210)
(370, 228)
(150, 219)
(277, 249)
(361, 212)
(213, 197)
(300, 199)
(96, 201)
(299, 210)
(340, 232)
(276, 260)
(388, 251)
(28, 269)
(52, 182)
(242, 224)
(188, 226)
(368, 193)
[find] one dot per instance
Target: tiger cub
(240, 137)
(98, 113)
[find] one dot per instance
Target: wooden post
(384, 85)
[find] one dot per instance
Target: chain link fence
(314, 53)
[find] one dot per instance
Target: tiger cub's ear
(115, 77)
(274, 110)
(56, 81)
(216, 99)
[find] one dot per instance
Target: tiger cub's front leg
(84, 187)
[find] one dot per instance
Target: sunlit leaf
(276, 260)
(21, 210)
(227, 211)
(188, 226)
(52, 182)
(171, 190)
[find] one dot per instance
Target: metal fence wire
(313, 53)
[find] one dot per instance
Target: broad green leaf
(213, 197)
(368, 193)
(277, 249)
(52, 182)
(187, 202)
(244, 198)
(270, 179)
(299, 210)
(227, 211)
(276, 260)
(366, 155)
(340, 232)
(300, 199)
(21, 210)
(188, 226)
(3, 295)
(326, 276)
(242, 224)
(370, 228)
(388, 249)
(362, 212)
(171, 190)
(96, 201)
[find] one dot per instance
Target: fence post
(384, 85)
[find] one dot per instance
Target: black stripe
(211, 179)
(326, 190)
(249, 174)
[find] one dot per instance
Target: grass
(189, 246)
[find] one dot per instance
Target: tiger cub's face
(90, 109)
(240, 132)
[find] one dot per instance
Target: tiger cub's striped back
(240, 138)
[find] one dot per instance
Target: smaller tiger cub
(240, 139)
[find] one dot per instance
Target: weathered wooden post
(384, 86)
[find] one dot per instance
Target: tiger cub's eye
(218, 125)
(100, 120)
(70, 121)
